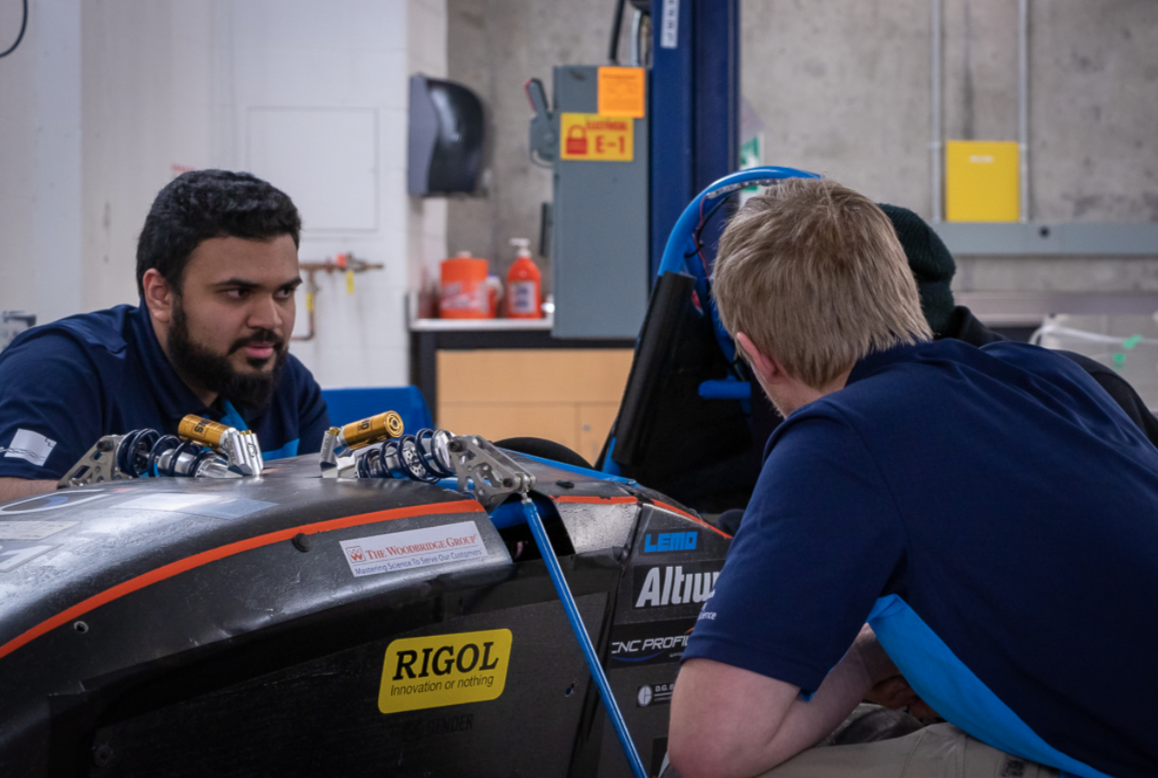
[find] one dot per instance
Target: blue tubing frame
(681, 242)
(535, 521)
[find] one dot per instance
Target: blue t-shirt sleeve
(50, 407)
(820, 541)
(313, 414)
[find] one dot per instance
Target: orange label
(621, 92)
(595, 137)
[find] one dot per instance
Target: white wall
(40, 188)
(107, 100)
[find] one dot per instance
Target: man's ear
(765, 366)
(159, 295)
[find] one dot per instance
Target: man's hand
(13, 488)
(890, 689)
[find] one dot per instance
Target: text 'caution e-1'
(596, 138)
(441, 670)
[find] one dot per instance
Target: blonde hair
(812, 272)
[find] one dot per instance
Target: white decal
(10, 560)
(414, 548)
(32, 530)
(216, 505)
(673, 587)
(52, 501)
(30, 446)
(670, 25)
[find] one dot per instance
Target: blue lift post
(695, 109)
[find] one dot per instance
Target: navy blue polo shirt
(993, 514)
(66, 384)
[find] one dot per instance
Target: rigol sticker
(440, 670)
(414, 548)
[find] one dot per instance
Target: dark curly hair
(203, 204)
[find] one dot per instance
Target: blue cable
(535, 521)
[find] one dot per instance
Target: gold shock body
(202, 430)
(357, 434)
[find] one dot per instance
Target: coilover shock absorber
(424, 456)
(357, 435)
(205, 449)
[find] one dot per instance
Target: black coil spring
(140, 452)
(415, 458)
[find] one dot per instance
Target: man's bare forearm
(14, 488)
(731, 723)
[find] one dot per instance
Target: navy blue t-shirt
(993, 514)
(66, 384)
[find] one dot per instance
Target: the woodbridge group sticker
(441, 670)
(414, 548)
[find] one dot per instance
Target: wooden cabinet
(567, 395)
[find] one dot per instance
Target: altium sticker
(656, 587)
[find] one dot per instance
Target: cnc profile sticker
(441, 670)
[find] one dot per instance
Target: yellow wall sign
(441, 670)
(982, 181)
(594, 137)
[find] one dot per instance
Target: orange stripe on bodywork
(214, 554)
(687, 515)
(595, 500)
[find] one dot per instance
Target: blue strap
(540, 533)
(232, 418)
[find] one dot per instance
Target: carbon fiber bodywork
(240, 627)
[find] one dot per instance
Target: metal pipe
(1023, 104)
(636, 24)
(935, 143)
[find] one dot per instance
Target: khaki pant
(939, 751)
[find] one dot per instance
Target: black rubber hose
(24, 26)
(616, 24)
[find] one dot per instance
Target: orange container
(464, 292)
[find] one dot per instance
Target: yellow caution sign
(621, 92)
(441, 670)
(594, 137)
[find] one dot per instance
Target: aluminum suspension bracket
(97, 465)
(239, 447)
(486, 472)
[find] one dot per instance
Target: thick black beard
(215, 373)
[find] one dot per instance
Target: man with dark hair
(217, 267)
(933, 268)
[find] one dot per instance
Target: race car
(291, 623)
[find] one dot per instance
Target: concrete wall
(107, 100)
(844, 88)
(494, 47)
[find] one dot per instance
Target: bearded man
(217, 267)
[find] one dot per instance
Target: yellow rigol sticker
(592, 136)
(440, 670)
(621, 92)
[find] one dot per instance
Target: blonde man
(990, 512)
